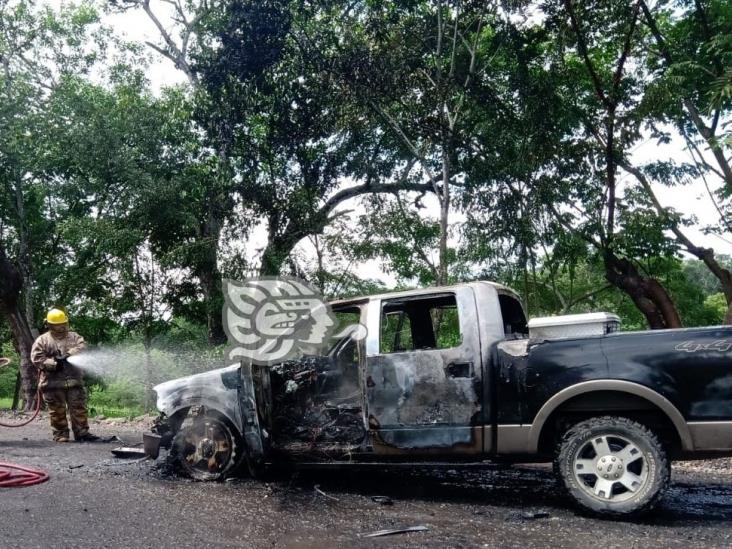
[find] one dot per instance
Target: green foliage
(716, 305)
(9, 373)
(556, 287)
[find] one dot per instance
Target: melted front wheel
(206, 449)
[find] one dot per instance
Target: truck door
(423, 374)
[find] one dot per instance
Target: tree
(421, 68)
(688, 91)
(682, 103)
(276, 124)
(605, 102)
(212, 202)
(38, 48)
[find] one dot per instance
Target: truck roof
(500, 288)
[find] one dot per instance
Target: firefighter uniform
(61, 383)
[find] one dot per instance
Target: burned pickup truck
(458, 374)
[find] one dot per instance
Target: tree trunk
(706, 255)
(723, 275)
(147, 344)
(319, 256)
(11, 283)
(444, 216)
(209, 276)
(648, 295)
(281, 242)
(213, 297)
(16, 391)
(28, 372)
(277, 251)
(24, 257)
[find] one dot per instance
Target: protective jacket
(43, 354)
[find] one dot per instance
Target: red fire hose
(34, 416)
(15, 476)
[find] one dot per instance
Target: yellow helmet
(56, 316)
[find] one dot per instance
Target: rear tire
(612, 466)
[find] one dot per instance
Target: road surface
(96, 500)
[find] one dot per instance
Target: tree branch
(705, 254)
(617, 77)
(582, 47)
(380, 188)
(174, 53)
(706, 132)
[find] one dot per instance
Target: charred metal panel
(213, 390)
(511, 364)
(250, 417)
(316, 405)
(426, 398)
(416, 389)
(432, 441)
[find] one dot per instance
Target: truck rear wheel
(207, 448)
(612, 466)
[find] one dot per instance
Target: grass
(94, 409)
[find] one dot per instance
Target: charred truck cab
(454, 374)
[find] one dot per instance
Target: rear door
(423, 374)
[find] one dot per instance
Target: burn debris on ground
(383, 500)
(316, 402)
(393, 531)
(127, 452)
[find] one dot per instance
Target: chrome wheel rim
(611, 468)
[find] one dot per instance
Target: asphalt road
(96, 500)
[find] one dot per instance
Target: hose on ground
(16, 476)
(34, 416)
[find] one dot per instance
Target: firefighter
(62, 383)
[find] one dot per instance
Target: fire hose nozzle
(62, 359)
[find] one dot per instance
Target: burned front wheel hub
(205, 449)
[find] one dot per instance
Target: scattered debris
(76, 466)
(151, 444)
(531, 515)
(112, 438)
(128, 452)
(380, 533)
(140, 460)
(319, 491)
(383, 500)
